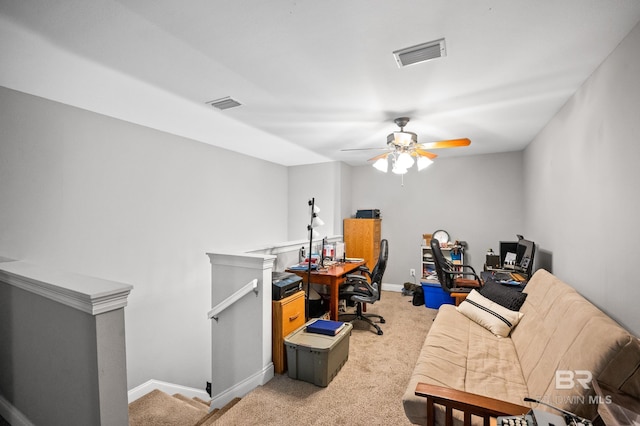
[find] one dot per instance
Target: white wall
(95, 195)
(328, 184)
(346, 192)
(477, 199)
(581, 178)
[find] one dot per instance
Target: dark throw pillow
(503, 295)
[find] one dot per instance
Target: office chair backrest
(378, 270)
(446, 280)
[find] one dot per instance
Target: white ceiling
(313, 76)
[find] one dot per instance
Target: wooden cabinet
(287, 315)
(362, 239)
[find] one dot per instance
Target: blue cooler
(434, 295)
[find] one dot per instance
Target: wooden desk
(332, 277)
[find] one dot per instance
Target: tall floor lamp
(314, 222)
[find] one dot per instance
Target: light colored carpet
(368, 389)
(160, 409)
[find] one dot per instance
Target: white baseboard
(170, 388)
(392, 287)
(12, 414)
(244, 387)
(218, 401)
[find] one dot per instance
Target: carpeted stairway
(158, 408)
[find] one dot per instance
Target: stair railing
(239, 294)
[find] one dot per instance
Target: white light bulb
(424, 162)
(398, 169)
(316, 222)
(381, 164)
(404, 160)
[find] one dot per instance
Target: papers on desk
(303, 266)
(353, 259)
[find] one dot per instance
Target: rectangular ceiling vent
(420, 53)
(224, 103)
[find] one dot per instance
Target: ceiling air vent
(420, 53)
(224, 103)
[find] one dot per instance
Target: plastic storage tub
(317, 358)
(434, 295)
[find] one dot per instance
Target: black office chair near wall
(451, 276)
(366, 288)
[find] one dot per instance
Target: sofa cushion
(460, 354)
(504, 295)
(563, 333)
(489, 314)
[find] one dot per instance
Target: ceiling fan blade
(377, 157)
(363, 149)
(429, 155)
(451, 143)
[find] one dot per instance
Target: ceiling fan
(403, 146)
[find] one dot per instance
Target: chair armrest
(363, 268)
(364, 273)
(462, 272)
(450, 266)
(371, 298)
(470, 404)
(467, 282)
(355, 277)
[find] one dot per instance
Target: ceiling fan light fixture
(423, 163)
(404, 160)
(403, 146)
(398, 170)
(397, 167)
(402, 138)
(381, 164)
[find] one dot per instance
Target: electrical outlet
(412, 272)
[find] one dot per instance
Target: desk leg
(333, 309)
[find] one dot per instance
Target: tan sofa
(560, 337)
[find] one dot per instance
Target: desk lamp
(314, 222)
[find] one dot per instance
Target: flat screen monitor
(524, 254)
(507, 247)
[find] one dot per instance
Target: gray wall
(581, 177)
(477, 199)
(102, 197)
(48, 347)
(329, 184)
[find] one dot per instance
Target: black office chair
(366, 288)
(451, 276)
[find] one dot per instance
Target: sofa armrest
(470, 404)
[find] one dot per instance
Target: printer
(284, 284)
